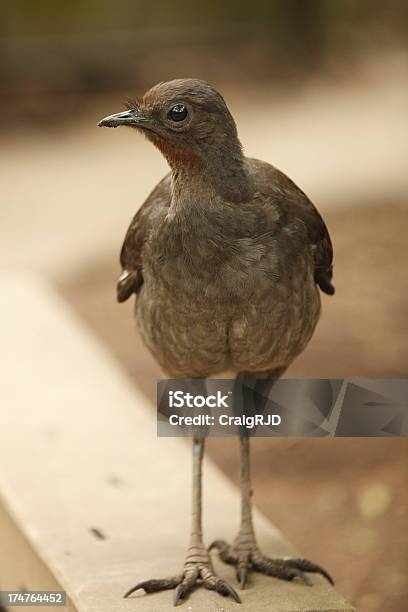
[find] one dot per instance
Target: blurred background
(319, 89)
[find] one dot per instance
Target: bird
(226, 259)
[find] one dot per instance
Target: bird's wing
(131, 255)
(296, 204)
(318, 235)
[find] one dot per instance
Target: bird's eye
(178, 112)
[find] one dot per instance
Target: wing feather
(131, 255)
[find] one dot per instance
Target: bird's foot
(197, 571)
(246, 556)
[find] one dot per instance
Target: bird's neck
(218, 177)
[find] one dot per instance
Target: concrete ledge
(91, 500)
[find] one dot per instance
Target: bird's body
(226, 258)
(227, 286)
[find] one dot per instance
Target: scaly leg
(244, 552)
(197, 568)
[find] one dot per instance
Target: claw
(223, 551)
(242, 576)
(226, 589)
(139, 585)
(151, 586)
(308, 566)
(220, 544)
(178, 595)
(296, 573)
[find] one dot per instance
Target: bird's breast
(218, 261)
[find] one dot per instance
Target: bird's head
(186, 119)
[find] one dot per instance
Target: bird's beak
(131, 118)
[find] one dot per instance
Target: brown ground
(342, 502)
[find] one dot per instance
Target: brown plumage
(226, 257)
(225, 247)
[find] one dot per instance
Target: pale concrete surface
(78, 451)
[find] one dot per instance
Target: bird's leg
(244, 552)
(197, 568)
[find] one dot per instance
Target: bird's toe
(288, 569)
(154, 585)
(225, 551)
